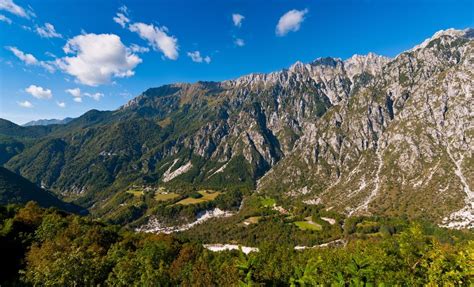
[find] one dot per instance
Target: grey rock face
(400, 144)
(365, 135)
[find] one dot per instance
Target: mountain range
(45, 122)
(366, 135)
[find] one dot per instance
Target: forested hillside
(16, 189)
(44, 247)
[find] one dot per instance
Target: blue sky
(63, 58)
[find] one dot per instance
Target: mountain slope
(364, 135)
(400, 145)
(16, 189)
(8, 128)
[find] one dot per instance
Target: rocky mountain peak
(451, 33)
(298, 67)
(370, 63)
(326, 61)
(401, 141)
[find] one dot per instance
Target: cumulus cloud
(5, 19)
(39, 92)
(29, 59)
(48, 31)
(77, 95)
(239, 42)
(76, 92)
(237, 19)
(61, 104)
(196, 57)
(158, 38)
(121, 19)
(290, 22)
(95, 96)
(10, 6)
(25, 104)
(47, 66)
(97, 58)
(138, 49)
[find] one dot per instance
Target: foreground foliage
(45, 247)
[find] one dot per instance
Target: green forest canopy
(46, 247)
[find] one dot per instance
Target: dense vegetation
(46, 247)
(16, 189)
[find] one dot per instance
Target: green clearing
(267, 201)
(135, 192)
(165, 196)
(207, 195)
(308, 225)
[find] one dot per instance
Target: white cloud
(5, 19)
(196, 57)
(239, 42)
(61, 104)
(49, 67)
(121, 19)
(290, 22)
(29, 59)
(49, 54)
(25, 104)
(158, 38)
(74, 92)
(48, 31)
(237, 19)
(138, 49)
(77, 95)
(26, 58)
(11, 7)
(97, 58)
(95, 96)
(39, 92)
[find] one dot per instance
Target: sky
(62, 58)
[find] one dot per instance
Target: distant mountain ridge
(368, 135)
(45, 122)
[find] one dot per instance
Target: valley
(355, 172)
(359, 136)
